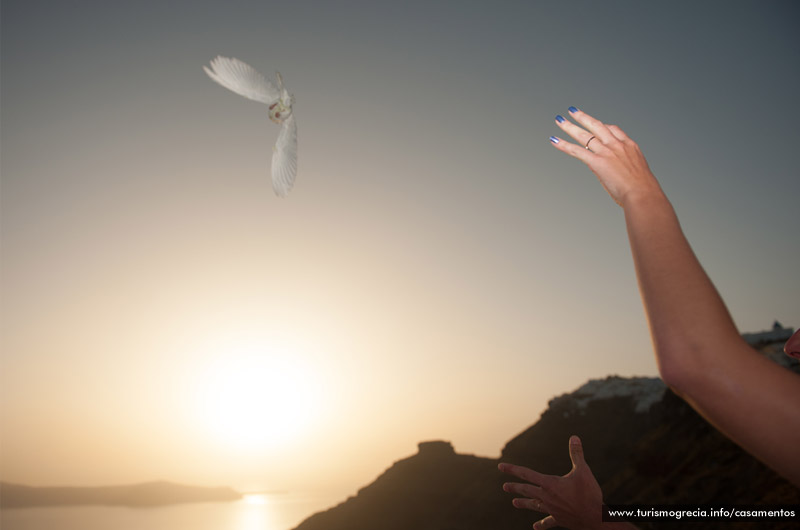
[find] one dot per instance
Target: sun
(257, 399)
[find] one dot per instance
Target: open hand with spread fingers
(616, 159)
(573, 501)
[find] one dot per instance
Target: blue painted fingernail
(554, 139)
(560, 119)
(572, 109)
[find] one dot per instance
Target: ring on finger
(588, 142)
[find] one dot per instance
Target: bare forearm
(689, 322)
(700, 353)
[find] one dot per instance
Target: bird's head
(282, 109)
(278, 111)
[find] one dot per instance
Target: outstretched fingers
(576, 452)
(526, 474)
(575, 151)
(590, 134)
(593, 125)
(528, 490)
(535, 505)
(580, 134)
(534, 495)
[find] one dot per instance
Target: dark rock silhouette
(644, 444)
(419, 492)
(139, 495)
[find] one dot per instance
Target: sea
(252, 512)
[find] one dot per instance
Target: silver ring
(588, 142)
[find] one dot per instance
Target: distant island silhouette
(156, 493)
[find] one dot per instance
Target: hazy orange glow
(439, 271)
(256, 398)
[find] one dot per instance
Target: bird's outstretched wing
(284, 158)
(243, 79)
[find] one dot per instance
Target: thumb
(576, 452)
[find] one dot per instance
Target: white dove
(243, 79)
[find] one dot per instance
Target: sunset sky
(439, 270)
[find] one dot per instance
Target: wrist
(647, 199)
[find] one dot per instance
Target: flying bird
(243, 79)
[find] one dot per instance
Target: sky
(439, 270)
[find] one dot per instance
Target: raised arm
(699, 352)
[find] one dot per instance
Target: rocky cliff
(644, 444)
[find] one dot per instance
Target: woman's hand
(611, 155)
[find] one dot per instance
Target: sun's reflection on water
(257, 499)
(277, 511)
(256, 514)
